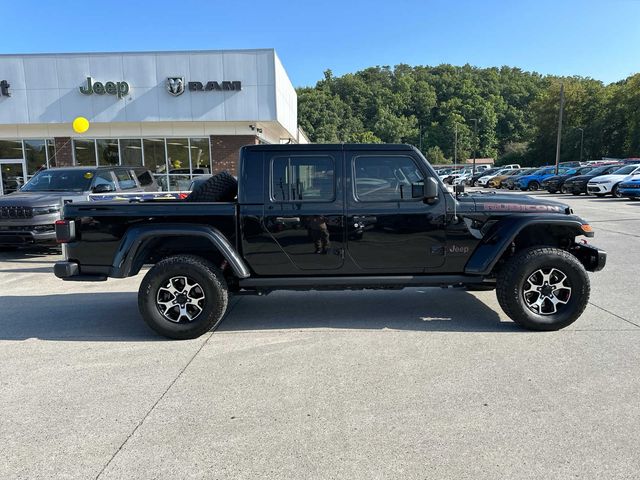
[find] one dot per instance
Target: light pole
(559, 127)
(581, 141)
(420, 139)
(475, 144)
(455, 146)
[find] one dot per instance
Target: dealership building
(177, 113)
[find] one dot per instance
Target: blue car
(630, 188)
(532, 182)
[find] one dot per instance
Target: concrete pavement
(420, 383)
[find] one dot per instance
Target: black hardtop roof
(93, 167)
(310, 147)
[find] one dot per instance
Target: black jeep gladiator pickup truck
(311, 217)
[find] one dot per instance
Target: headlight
(46, 210)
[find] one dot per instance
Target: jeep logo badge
(175, 85)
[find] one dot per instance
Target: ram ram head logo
(175, 85)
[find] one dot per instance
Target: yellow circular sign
(88, 175)
(80, 125)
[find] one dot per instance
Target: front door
(304, 210)
(12, 175)
(387, 229)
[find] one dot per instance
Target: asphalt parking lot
(422, 383)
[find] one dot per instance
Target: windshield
(77, 180)
(584, 170)
(625, 170)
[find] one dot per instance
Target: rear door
(387, 229)
(304, 208)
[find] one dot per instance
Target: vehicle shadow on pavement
(114, 316)
(74, 317)
(421, 309)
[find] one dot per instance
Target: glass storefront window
(108, 152)
(35, 155)
(200, 158)
(131, 152)
(51, 151)
(84, 152)
(178, 155)
(154, 155)
(11, 149)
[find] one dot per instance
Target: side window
(124, 179)
(300, 178)
(385, 178)
(144, 177)
(103, 177)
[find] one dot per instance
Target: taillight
(65, 231)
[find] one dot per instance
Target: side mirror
(431, 189)
(427, 191)
(103, 188)
(458, 189)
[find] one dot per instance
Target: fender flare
(127, 262)
(498, 239)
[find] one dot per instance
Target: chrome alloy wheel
(180, 299)
(545, 290)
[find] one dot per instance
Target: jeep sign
(110, 88)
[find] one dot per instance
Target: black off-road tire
(533, 186)
(222, 187)
(511, 283)
(196, 269)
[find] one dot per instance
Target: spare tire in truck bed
(222, 187)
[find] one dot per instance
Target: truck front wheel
(543, 288)
(183, 297)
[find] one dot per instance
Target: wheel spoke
(181, 299)
(546, 290)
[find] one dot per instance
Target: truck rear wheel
(543, 288)
(183, 297)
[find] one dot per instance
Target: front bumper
(575, 187)
(593, 258)
(24, 235)
(598, 188)
(629, 192)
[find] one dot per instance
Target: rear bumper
(70, 271)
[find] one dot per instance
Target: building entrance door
(13, 175)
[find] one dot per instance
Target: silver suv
(27, 217)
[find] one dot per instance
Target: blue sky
(599, 39)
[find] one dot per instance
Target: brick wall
(63, 153)
(225, 151)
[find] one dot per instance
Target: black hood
(33, 199)
(510, 203)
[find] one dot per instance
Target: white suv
(605, 184)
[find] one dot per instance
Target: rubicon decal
(518, 207)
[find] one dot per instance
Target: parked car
(511, 181)
(533, 181)
(473, 181)
(630, 187)
(282, 233)
(578, 184)
(555, 183)
(484, 180)
(608, 184)
(496, 182)
(513, 166)
(27, 217)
